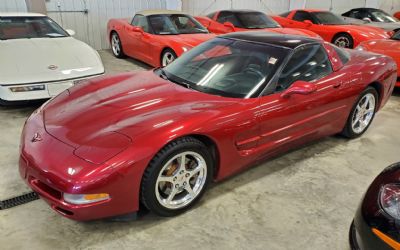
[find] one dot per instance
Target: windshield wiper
(163, 75)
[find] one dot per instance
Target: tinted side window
(343, 55)
(211, 15)
(141, 21)
(308, 63)
(286, 14)
(228, 17)
(302, 16)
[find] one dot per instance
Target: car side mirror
(299, 88)
(229, 25)
(308, 22)
(367, 20)
(136, 29)
(70, 32)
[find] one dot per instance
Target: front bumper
(49, 167)
(50, 90)
(361, 236)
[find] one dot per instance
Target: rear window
(343, 55)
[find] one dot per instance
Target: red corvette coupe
(159, 137)
(156, 37)
(389, 47)
(226, 21)
(330, 27)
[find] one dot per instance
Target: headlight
(390, 200)
(186, 48)
(27, 88)
(361, 48)
(79, 199)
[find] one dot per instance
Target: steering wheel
(255, 71)
(226, 82)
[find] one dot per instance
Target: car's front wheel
(177, 177)
(362, 113)
(116, 46)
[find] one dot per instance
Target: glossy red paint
(397, 15)
(99, 136)
(148, 47)
(386, 47)
(219, 28)
(359, 33)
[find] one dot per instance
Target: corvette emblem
(52, 67)
(36, 137)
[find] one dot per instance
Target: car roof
(159, 12)
(287, 41)
(20, 14)
(241, 11)
(312, 10)
(365, 9)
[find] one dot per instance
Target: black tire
(348, 130)
(167, 52)
(343, 40)
(148, 191)
(116, 45)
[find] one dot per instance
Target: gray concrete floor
(304, 199)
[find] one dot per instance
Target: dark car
(376, 224)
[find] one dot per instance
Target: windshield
(226, 67)
(175, 24)
(384, 17)
(255, 20)
(329, 18)
(29, 27)
(396, 36)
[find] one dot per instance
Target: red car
(226, 21)
(389, 47)
(160, 137)
(397, 15)
(331, 27)
(156, 37)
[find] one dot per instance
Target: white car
(372, 17)
(39, 59)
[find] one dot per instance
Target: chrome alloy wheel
(181, 180)
(168, 58)
(115, 44)
(342, 42)
(364, 113)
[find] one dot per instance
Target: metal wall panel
(91, 27)
(13, 6)
(207, 6)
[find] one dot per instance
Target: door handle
(337, 85)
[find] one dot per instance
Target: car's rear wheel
(116, 45)
(343, 40)
(362, 113)
(177, 177)
(167, 57)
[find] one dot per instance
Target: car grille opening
(63, 211)
(47, 189)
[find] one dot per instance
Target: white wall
(92, 27)
(205, 7)
(13, 6)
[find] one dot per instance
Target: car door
(136, 42)
(286, 121)
(218, 26)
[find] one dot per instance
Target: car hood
(132, 104)
(367, 31)
(30, 60)
(191, 40)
